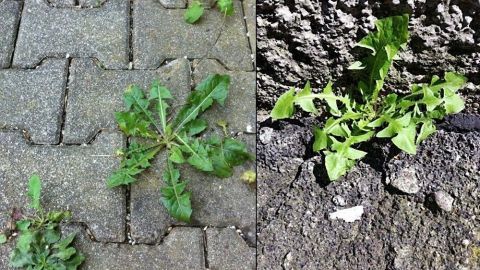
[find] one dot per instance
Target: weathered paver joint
(32, 99)
(73, 178)
(226, 250)
(47, 31)
(160, 34)
(95, 94)
(10, 12)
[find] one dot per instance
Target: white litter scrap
(348, 215)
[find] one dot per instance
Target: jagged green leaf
(174, 196)
(213, 88)
(136, 160)
(160, 94)
(34, 190)
(284, 107)
(194, 12)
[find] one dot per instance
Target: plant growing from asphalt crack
(408, 120)
(195, 10)
(40, 244)
(148, 120)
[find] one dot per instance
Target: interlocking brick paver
(227, 250)
(216, 202)
(96, 94)
(160, 33)
(62, 3)
(98, 32)
(73, 178)
(182, 248)
(32, 99)
(239, 109)
(10, 12)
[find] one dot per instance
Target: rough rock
(313, 40)
(405, 181)
(47, 31)
(160, 34)
(393, 225)
(444, 200)
(33, 100)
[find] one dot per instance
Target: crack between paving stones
(130, 35)
(65, 102)
(248, 34)
(128, 194)
(22, 5)
(205, 249)
(224, 23)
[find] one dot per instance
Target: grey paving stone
(239, 107)
(73, 178)
(5, 251)
(227, 250)
(249, 7)
(160, 33)
(10, 11)
(95, 94)
(32, 99)
(48, 31)
(182, 248)
(205, 3)
(215, 202)
(62, 3)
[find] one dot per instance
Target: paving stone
(62, 3)
(215, 202)
(182, 248)
(205, 3)
(73, 178)
(32, 99)
(89, 110)
(48, 31)
(227, 250)
(10, 11)
(239, 109)
(249, 7)
(5, 251)
(160, 33)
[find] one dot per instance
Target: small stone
(348, 215)
(266, 135)
(466, 242)
(444, 200)
(339, 200)
(406, 181)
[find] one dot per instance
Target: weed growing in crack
(407, 120)
(195, 10)
(147, 120)
(40, 244)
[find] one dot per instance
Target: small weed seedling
(408, 120)
(40, 244)
(147, 119)
(195, 10)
